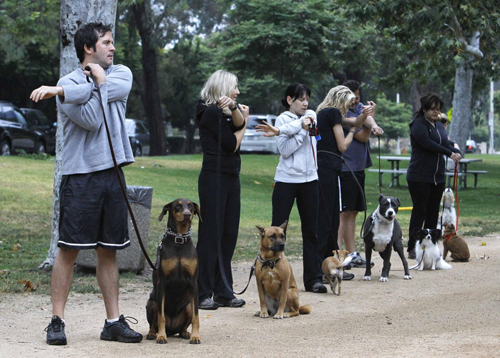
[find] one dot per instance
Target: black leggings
(426, 198)
(209, 279)
(284, 195)
(329, 211)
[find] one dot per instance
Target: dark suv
(15, 133)
(38, 121)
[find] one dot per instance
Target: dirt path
(437, 313)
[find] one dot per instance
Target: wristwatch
(235, 107)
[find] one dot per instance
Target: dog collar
(178, 238)
(270, 263)
(448, 237)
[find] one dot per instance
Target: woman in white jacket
(297, 177)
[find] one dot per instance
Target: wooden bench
(395, 173)
(476, 173)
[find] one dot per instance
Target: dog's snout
(187, 213)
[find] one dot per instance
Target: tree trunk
(462, 101)
(73, 14)
(152, 102)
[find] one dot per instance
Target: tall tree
(466, 32)
(73, 13)
(273, 43)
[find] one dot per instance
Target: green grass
(26, 209)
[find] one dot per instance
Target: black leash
(87, 68)
(218, 217)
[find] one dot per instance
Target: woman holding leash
(425, 174)
(296, 176)
(222, 122)
(331, 119)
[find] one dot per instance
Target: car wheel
(4, 148)
(40, 148)
(138, 151)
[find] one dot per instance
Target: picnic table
(396, 171)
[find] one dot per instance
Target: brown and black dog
(173, 303)
(276, 284)
(455, 244)
(333, 268)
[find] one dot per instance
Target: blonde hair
(339, 97)
(220, 83)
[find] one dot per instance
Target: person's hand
(376, 130)
(306, 122)
(373, 105)
(225, 101)
(269, 130)
(456, 157)
(245, 111)
(368, 110)
(97, 72)
(45, 92)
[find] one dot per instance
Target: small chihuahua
(333, 268)
(455, 244)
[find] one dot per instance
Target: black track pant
(426, 198)
(284, 195)
(329, 212)
(210, 280)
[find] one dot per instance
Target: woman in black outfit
(425, 175)
(331, 117)
(216, 111)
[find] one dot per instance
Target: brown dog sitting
(455, 244)
(173, 303)
(278, 292)
(333, 268)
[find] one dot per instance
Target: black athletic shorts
(352, 198)
(93, 211)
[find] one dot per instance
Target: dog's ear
(197, 210)
(436, 234)
(416, 232)
(283, 226)
(380, 197)
(397, 201)
(166, 208)
(262, 231)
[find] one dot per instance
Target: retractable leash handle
(122, 185)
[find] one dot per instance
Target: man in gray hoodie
(93, 212)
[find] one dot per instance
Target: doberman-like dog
(173, 303)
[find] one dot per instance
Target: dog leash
(122, 186)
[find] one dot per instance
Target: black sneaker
(120, 331)
(235, 302)
(411, 254)
(347, 276)
(318, 287)
(208, 304)
(358, 261)
(55, 332)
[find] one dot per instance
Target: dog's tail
(443, 265)
(305, 309)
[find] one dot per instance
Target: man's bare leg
(108, 280)
(62, 277)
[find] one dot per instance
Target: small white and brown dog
(449, 214)
(428, 254)
(333, 268)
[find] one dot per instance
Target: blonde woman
(331, 117)
(222, 122)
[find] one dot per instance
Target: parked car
(139, 136)
(254, 141)
(38, 121)
(15, 133)
(470, 146)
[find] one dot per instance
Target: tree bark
(73, 14)
(152, 101)
(462, 101)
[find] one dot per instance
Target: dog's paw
(407, 277)
(367, 278)
(278, 316)
(185, 335)
(383, 279)
(195, 340)
(150, 336)
(161, 340)
(262, 314)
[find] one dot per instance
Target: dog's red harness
(448, 237)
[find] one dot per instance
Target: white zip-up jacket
(297, 156)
